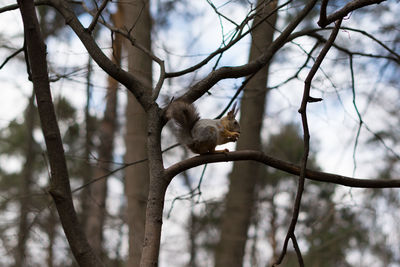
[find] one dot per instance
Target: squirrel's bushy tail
(185, 116)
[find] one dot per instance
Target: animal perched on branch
(201, 136)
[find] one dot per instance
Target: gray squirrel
(201, 136)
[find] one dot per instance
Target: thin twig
(202, 86)
(11, 56)
(298, 251)
(193, 192)
(96, 16)
(360, 120)
(133, 41)
(306, 139)
(238, 91)
(240, 35)
(124, 165)
(296, 75)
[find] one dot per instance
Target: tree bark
(137, 18)
(60, 188)
(243, 179)
(26, 180)
(158, 186)
(96, 212)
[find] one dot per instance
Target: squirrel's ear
(232, 113)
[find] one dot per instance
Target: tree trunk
(236, 218)
(137, 18)
(51, 234)
(26, 180)
(158, 187)
(86, 168)
(60, 188)
(98, 191)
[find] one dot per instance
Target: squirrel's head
(229, 122)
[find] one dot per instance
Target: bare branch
(285, 166)
(306, 139)
(344, 11)
(97, 15)
(238, 91)
(11, 56)
(197, 90)
(127, 35)
(395, 58)
(236, 38)
(133, 84)
(296, 75)
(297, 249)
(60, 187)
(313, 33)
(124, 165)
(15, 6)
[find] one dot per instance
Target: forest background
(317, 86)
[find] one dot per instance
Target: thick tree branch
(285, 166)
(15, 6)
(201, 87)
(60, 188)
(344, 11)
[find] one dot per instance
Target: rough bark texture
(60, 187)
(137, 18)
(26, 180)
(243, 179)
(96, 212)
(158, 187)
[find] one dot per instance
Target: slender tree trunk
(137, 18)
(96, 212)
(51, 233)
(243, 179)
(158, 186)
(60, 188)
(86, 168)
(26, 180)
(273, 231)
(192, 226)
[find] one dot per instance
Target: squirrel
(201, 136)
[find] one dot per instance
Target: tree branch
(239, 34)
(285, 166)
(96, 16)
(60, 188)
(303, 167)
(344, 11)
(16, 52)
(201, 87)
(133, 84)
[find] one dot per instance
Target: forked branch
(302, 175)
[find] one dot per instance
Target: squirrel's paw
(221, 151)
(234, 136)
